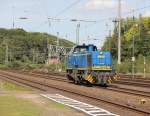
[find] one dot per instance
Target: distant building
(53, 60)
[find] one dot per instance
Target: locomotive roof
(85, 45)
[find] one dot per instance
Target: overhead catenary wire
(67, 8)
(125, 13)
(97, 21)
(62, 11)
(77, 1)
(45, 13)
(59, 13)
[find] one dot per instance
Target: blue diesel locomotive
(85, 64)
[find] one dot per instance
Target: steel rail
(110, 88)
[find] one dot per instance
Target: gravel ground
(110, 95)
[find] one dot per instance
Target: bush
(2, 66)
(51, 67)
(15, 64)
(123, 68)
(126, 66)
(33, 66)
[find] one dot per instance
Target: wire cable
(67, 8)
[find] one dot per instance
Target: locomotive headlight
(101, 55)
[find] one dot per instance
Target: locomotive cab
(84, 48)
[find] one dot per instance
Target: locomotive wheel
(88, 84)
(104, 85)
(76, 82)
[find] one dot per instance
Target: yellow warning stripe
(109, 80)
(115, 77)
(89, 78)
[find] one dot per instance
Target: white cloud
(147, 14)
(100, 4)
(107, 5)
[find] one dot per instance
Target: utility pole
(133, 58)
(6, 54)
(115, 21)
(144, 55)
(119, 32)
(57, 51)
(144, 67)
(34, 57)
(109, 40)
(48, 49)
(57, 40)
(13, 17)
(78, 28)
(78, 33)
(108, 36)
(133, 48)
(49, 55)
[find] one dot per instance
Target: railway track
(114, 88)
(138, 84)
(135, 80)
(44, 85)
(125, 76)
(130, 91)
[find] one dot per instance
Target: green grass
(12, 106)
(59, 105)
(2, 66)
(12, 87)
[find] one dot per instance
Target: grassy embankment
(19, 101)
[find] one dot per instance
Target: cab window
(80, 49)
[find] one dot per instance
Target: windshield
(80, 49)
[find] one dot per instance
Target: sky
(97, 16)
